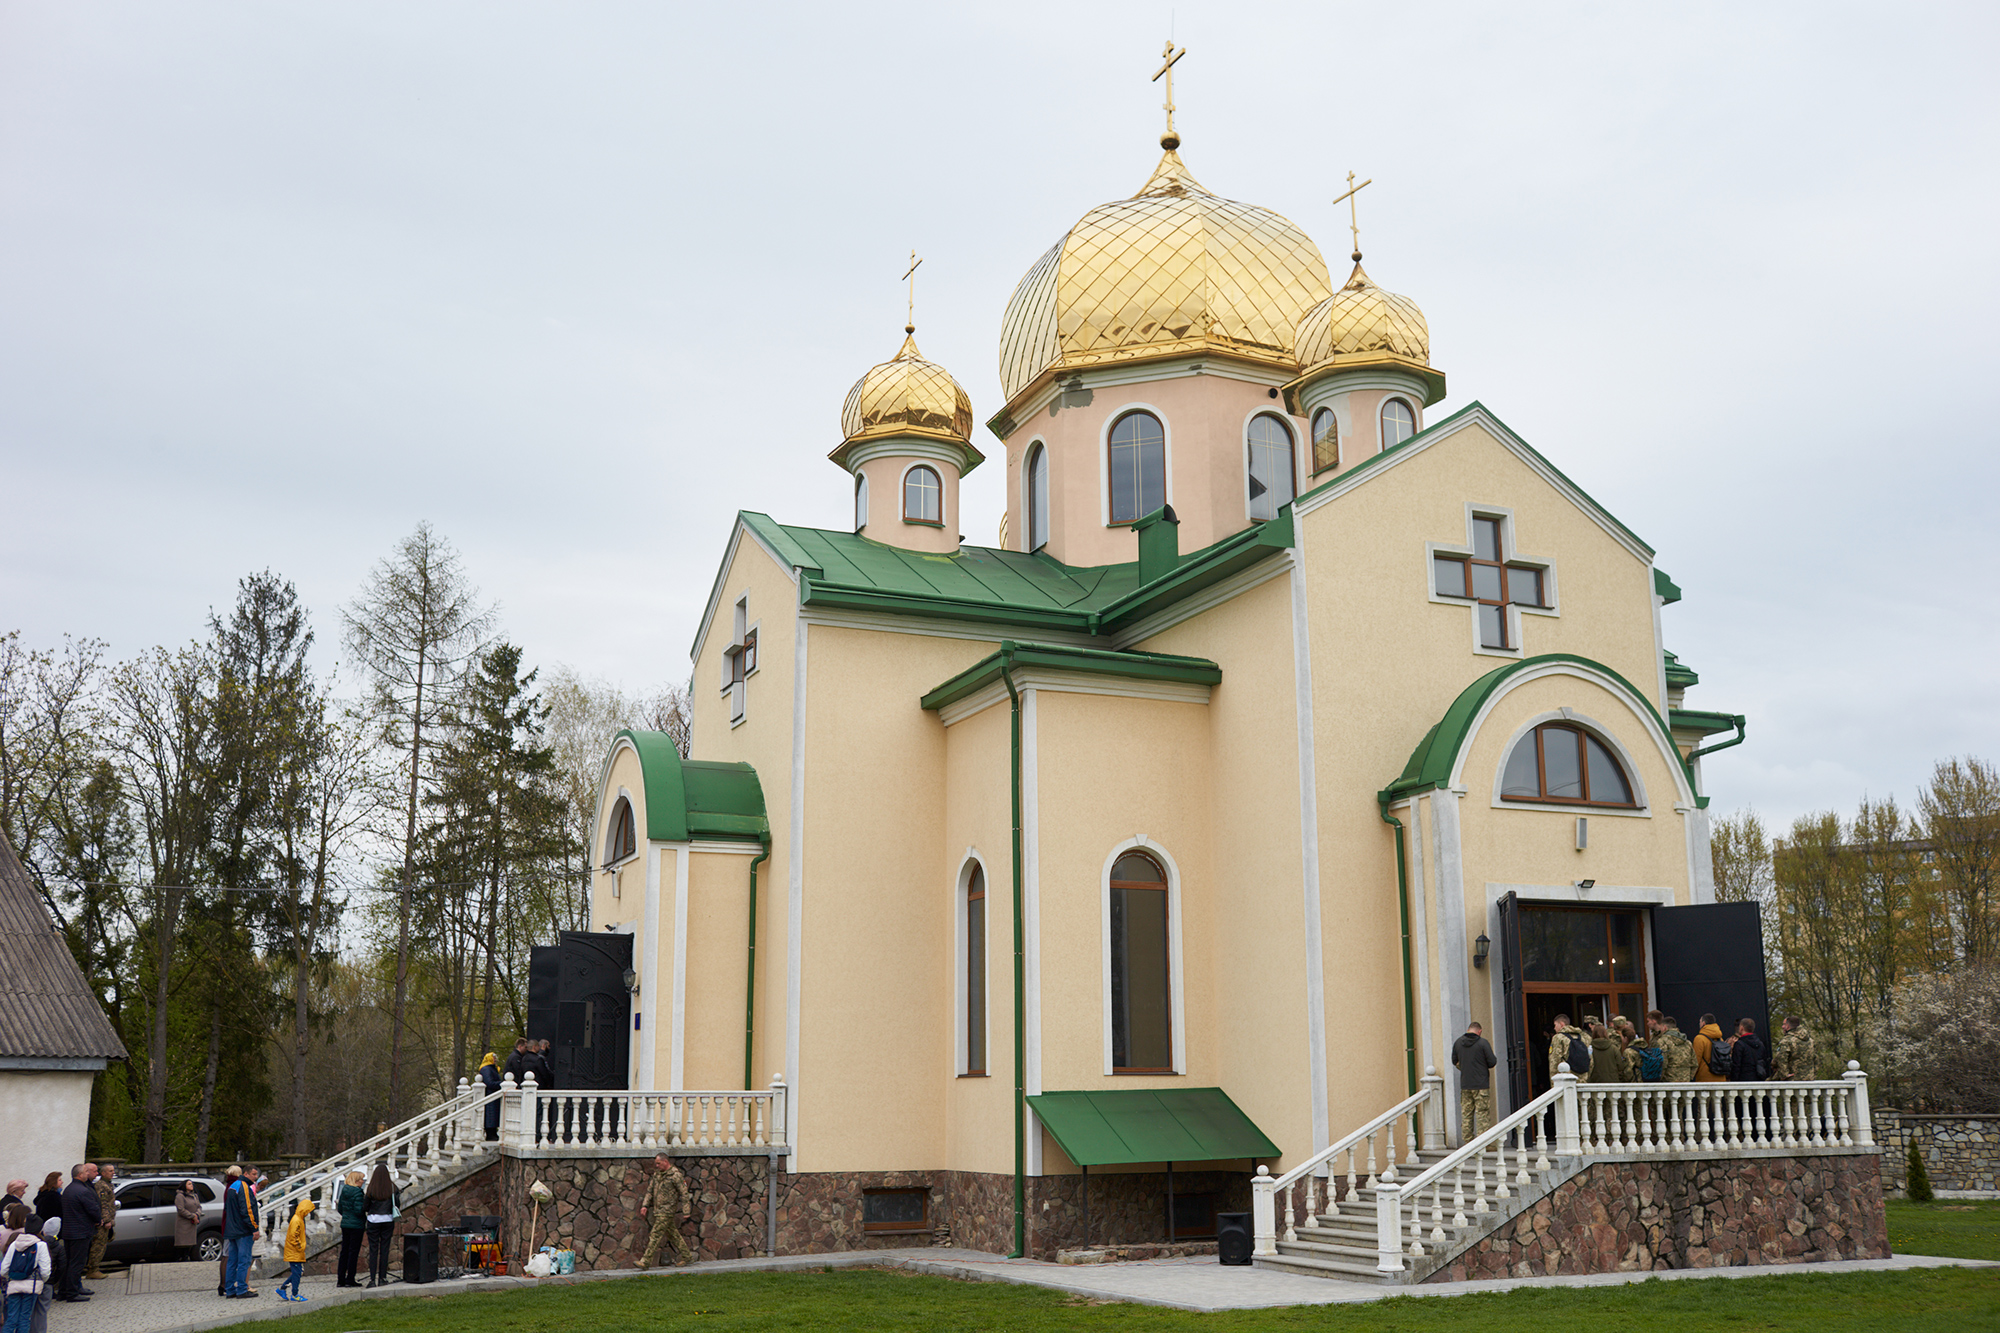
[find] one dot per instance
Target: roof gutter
(1403, 906)
(1741, 728)
(1020, 973)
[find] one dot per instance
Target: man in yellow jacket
(1704, 1042)
(295, 1251)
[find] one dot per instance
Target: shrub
(1942, 1048)
(1918, 1186)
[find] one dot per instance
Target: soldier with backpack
(1796, 1058)
(1676, 1052)
(1711, 1065)
(1569, 1047)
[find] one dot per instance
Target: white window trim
(1177, 989)
(860, 500)
(902, 498)
(1644, 809)
(1104, 457)
(1509, 553)
(960, 883)
(1028, 496)
(1291, 428)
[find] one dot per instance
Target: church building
(1292, 722)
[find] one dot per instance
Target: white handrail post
(1863, 1128)
(529, 1125)
(1434, 1121)
(1388, 1228)
(779, 1094)
(1263, 1211)
(1567, 1140)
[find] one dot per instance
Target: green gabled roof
(1097, 661)
(982, 583)
(1431, 762)
(1679, 676)
(696, 798)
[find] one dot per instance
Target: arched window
(1138, 466)
(1037, 494)
(1142, 1039)
(975, 971)
(1559, 762)
(860, 501)
(1326, 441)
(923, 496)
(1270, 466)
(1399, 423)
(621, 837)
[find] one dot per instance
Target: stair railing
(1419, 1115)
(1618, 1118)
(584, 1120)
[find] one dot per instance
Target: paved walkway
(180, 1298)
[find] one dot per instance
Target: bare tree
(671, 710)
(1961, 823)
(49, 718)
(412, 629)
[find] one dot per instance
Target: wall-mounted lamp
(631, 980)
(1586, 884)
(1480, 948)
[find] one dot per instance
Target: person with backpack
(1568, 1046)
(26, 1267)
(1747, 1062)
(51, 1237)
(1676, 1052)
(1711, 1053)
(1607, 1061)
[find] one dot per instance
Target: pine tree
(1919, 1184)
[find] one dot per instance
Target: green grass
(1944, 1300)
(1962, 1230)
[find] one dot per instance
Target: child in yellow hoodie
(295, 1251)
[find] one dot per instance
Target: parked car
(145, 1226)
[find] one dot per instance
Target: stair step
(1310, 1266)
(1354, 1253)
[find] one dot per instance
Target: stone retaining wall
(1961, 1152)
(1709, 1212)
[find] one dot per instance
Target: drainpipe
(1739, 720)
(1020, 977)
(750, 986)
(1403, 906)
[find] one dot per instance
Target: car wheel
(208, 1247)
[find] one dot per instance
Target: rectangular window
(1524, 586)
(888, 1210)
(1450, 577)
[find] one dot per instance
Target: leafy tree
(1960, 812)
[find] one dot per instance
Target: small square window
(1450, 577)
(1524, 586)
(1486, 538)
(889, 1210)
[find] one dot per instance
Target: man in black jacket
(1747, 1063)
(81, 1214)
(1472, 1056)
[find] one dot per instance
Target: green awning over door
(1147, 1125)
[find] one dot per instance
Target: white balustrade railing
(1610, 1120)
(584, 1121)
(1420, 1114)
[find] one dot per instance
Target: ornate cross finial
(1171, 55)
(911, 275)
(1353, 220)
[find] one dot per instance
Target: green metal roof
(1701, 722)
(1099, 661)
(1679, 675)
(1431, 762)
(1148, 1125)
(1665, 587)
(696, 798)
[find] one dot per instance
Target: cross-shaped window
(1487, 578)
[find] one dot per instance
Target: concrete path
(180, 1298)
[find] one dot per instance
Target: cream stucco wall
(885, 505)
(47, 1114)
(718, 960)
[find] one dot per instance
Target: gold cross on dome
(911, 275)
(1172, 57)
(1353, 220)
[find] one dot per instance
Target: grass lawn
(1962, 1229)
(1945, 1300)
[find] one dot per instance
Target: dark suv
(145, 1225)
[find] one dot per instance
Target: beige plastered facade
(1259, 794)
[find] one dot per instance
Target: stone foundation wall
(478, 1195)
(1690, 1213)
(1961, 1152)
(596, 1207)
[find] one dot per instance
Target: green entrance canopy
(1144, 1125)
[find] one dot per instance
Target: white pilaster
(1309, 847)
(677, 1068)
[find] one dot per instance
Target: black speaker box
(420, 1257)
(1233, 1242)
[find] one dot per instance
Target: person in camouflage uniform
(1676, 1053)
(666, 1204)
(107, 1199)
(1797, 1058)
(1559, 1046)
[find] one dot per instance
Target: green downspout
(1020, 977)
(1403, 906)
(1741, 730)
(750, 987)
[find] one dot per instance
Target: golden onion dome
(907, 396)
(1363, 320)
(1172, 270)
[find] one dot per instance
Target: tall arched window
(1138, 466)
(975, 971)
(1037, 495)
(1271, 466)
(860, 501)
(1563, 763)
(1326, 441)
(1142, 1038)
(620, 836)
(923, 496)
(1399, 423)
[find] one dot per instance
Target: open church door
(1515, 1033)
(1709, 959)
(577, 999)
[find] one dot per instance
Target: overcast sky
(576, 282)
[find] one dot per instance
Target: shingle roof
(47, 1009)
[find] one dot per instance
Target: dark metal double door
(578, 1000)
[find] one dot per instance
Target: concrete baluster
(1437, 1210)
(1263, 1218)
(1567, 1142)
(1479, 1183)
(1389, 1228)
(1434, 1113)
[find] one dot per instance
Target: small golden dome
(907, 396)
(1172, 270)
(1363, 320)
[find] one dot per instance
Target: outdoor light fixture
(631, 980)
(1480, 947)
(1586, 884)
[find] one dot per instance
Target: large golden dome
(1362, 320)
(907, 396)
(1174, 269)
